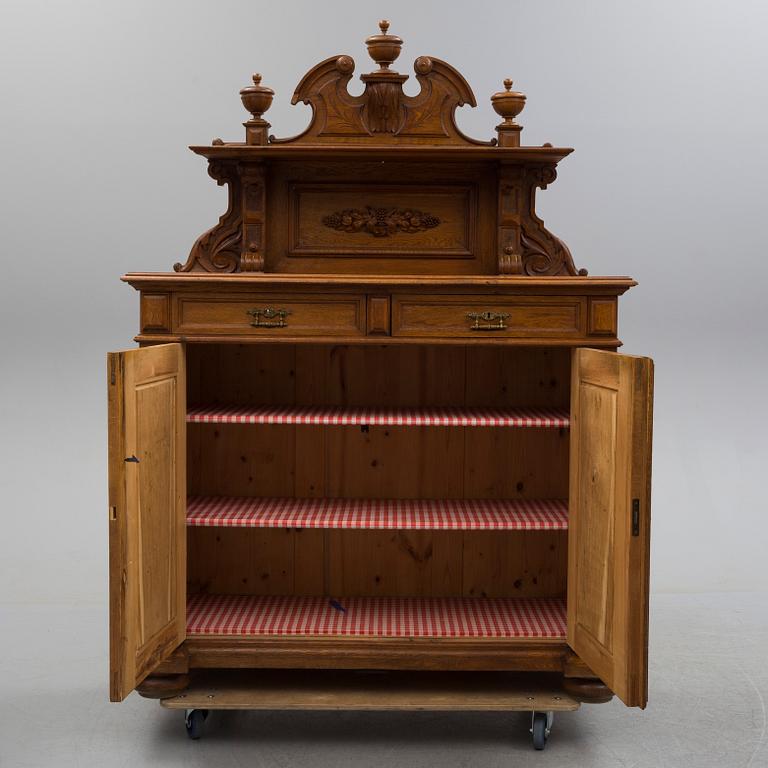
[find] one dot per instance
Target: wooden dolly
(374, 691)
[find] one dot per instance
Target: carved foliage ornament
(218, 249)
(380, 222)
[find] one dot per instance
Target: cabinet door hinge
(635, 517)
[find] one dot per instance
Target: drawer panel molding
(271, 315)
(481, 317)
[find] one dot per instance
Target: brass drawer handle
(269, 317)
(487, 321)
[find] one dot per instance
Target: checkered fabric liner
(399, 514)
(395, 417)
(376, 616)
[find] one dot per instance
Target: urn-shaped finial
(257, 98)
(384, 48)
(509, 104)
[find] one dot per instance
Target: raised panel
(372, 220)
(147, 493)
(508, 317)
(280, 315)
(155, 312)
(597, 493)
(154, 485)
(602, 317)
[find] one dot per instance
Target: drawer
(269, 314)
(487, 317)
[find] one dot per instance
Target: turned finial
(384, 48)
(257, 99)
(508, 104)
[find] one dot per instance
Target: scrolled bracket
(218, 249)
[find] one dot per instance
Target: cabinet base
(289, 689)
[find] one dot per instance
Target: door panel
(147, 489)
(609, 524)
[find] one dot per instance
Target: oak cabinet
(422, 452)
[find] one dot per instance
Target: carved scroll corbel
(543, 254)
(218, 249)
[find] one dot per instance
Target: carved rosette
(380, 222)
(218, 249)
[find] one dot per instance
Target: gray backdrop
(664, 102)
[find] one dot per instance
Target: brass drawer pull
(487, 321)
(269, 317)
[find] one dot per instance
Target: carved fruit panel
(383, 219)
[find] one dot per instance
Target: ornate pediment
(383, 113)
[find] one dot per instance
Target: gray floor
(709, 683)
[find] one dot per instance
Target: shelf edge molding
(391, 417)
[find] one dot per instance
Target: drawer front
(278, 315)
(481, 317)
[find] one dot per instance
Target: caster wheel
(541, 725)
(194, 720)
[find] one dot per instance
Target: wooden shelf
(392, 417)
(413, 617)
(382, 514)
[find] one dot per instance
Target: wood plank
(287, 690)
(258, 561)
(515, 564)
(376, 653)
(394, 563)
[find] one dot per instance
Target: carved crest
(383, 112)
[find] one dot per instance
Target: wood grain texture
(306, 315)
(376, 653)
(155, 312)
(608, 561)
(379, 320)
(283, 690)
(603, 316)
(147, 528)
(426, 316)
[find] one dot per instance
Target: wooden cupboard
(378, 421)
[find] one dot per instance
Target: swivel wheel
(541, 726)
(194, 719)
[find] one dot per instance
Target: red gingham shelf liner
(407, 417)
(396, 514)
(376, 616)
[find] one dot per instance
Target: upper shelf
(391, 417)
(511, 155)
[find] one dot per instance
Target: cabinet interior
(368, 463)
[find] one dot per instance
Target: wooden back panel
(380, 462)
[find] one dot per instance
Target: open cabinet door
(147, 498)
(609, 520)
